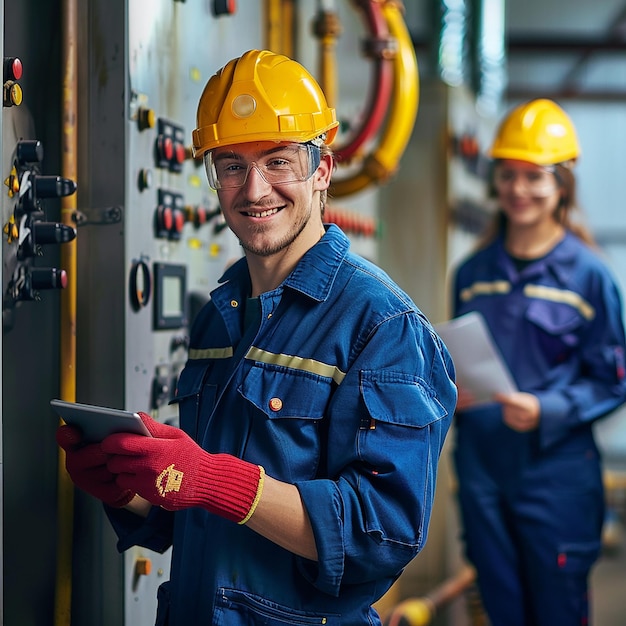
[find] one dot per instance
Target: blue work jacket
(343, 389)
(558, 324)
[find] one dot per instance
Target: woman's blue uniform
(532, 503)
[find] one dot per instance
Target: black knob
(52, 232)
(53, 186)
(48, 278)
(29, 151)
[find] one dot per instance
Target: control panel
(155, 268)
(27, 232)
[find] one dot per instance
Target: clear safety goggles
(282, 165)
(538, 181)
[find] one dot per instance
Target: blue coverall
(341, 388)
(532, 503)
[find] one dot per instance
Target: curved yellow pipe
(406, 93)
(383, 162)
(65, 488)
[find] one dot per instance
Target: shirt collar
(315, 272)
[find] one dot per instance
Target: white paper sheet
(480, 368)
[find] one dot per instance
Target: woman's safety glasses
(280, 165)
(537, 181)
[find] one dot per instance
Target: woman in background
(529, 471)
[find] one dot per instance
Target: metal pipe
(379, 48)
(273, 25)
(287, 25)
(65, 497)
(327, 27)
(279, 26)
(406, 92)
(382, 163)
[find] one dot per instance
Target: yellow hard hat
(539, 132)
(262, 96)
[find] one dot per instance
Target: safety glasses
(537, 181)
(280, 165)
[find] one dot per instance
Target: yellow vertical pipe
(279, 25)
(65, 494)
(273, 24)
(327, 28)
(287, 26)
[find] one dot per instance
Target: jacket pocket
(401, 446)
(577, 558)
(289, 407)
(282, 393)
(239, 608)
(557, 327)
(401, 399)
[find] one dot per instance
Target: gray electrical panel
(152, 243)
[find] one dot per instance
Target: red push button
(12, 68)
(165, 147)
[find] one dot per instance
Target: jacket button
(234, 304)
(276, 404)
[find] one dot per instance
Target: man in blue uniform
(314, 403)
(530, 481)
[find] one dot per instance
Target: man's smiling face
(271, 217)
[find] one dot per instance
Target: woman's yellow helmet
(539, 132)
(262, 96)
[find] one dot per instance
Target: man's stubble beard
(291, 236)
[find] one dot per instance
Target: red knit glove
(87, 467)
(171, 470)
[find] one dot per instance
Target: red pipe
(378, 47)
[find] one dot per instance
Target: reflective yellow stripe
(483, 288)
(211, 353)
(296, 363)
(561, 295)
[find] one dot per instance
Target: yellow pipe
(382, 163)
(65, 497)
(328, 70)
(279, 26)
(273, 25)
(406, 92)
(287, 25)
(327, 28)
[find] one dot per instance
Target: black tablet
(97, 422)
